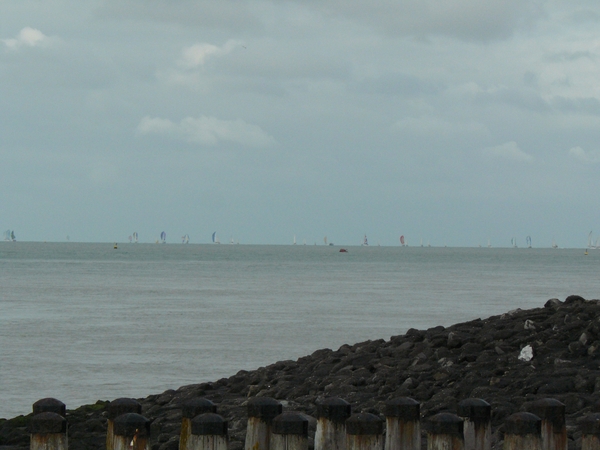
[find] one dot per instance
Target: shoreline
(438, 367)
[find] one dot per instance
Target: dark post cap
(551, 410)
(47, 422)
(522, 424)
(122, 406)
(197, 406)
(264, 408)
(364, 424)
(49, 405)
(290, 423)
(404, 408)
(334, 409)
(446, 424)
(475, 410)
(590, 424)
(209, 424)
(131, 424)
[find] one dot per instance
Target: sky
(451, 123)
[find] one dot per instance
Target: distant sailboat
(215, 238)
(365, 241)
(489, 244)
(135, 237)
(9, 236)
(554, 244)
(294, 239)
(185, 239)
(231, 240)
(513, 242)
(325, 240)
(590, 240)
(402, 241)
(528, 239)
(163, 237)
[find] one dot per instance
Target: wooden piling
(189, 410)
(116, 408)
(477, 416)
(261, 412)
(403, 425)
(131, 432)
(445, 432)
(208, 432)
(289, 432)
(331, 424)
(590, 432)
(364, 431)
(49, 405)
(48, 431)
(523, 431)
(554, 429)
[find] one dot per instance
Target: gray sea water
(85, 322)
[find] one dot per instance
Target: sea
(83, 322)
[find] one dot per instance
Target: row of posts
(269, 428)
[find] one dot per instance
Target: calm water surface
(83, 322)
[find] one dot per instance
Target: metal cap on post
(49, 405)
(477, 414)
(445, 430)
(189, 410)
(208, 432)
(131, 432)
(364, 431)
(289, 431)
(590, 432)
(48, 431)
(115, 409)
(261, 412)
(403, 425)
(332, 414)
(522, 431)
(554, 429)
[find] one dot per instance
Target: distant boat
(231, 240)
(9, 236)
(421, 242)
(215, 238)
(343, 250)
(513, 242)
(489, 245)
(554, 244)
(163, 237)
(325, 240)
(590, 240)
(135, 237)
(185, 239)
(528, 240)
(294, 239)
(402, 241)
(365, 241)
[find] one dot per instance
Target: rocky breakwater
(508, 360)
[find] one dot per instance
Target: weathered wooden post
(49, 405)
(364, 431)
(261, 412)
(115, 409)
(331, 424)
(208, 432)
(445, 432)
(590, 432)
(189, 410)
(477, 416)
(403, 426)
(523, 431)
(554, 428)
(131, 432)
(48, 432)
(289, 432)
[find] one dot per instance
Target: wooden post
(261, 412)
(445, 432)
(590, 432)
(48, 432)
(289, 432)
(49, 405)
(364, 431)
(131, 432)
(331, 424)
(189, 410)
(208, 432)
(554, 429)
(477, 416)
(403, 426)
(116, 408)
(523, 431)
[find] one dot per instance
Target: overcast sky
(453, 122)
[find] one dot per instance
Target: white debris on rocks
(526, 353)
